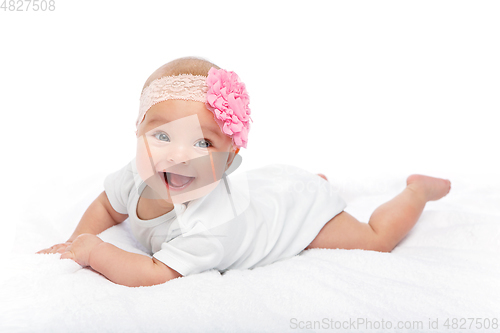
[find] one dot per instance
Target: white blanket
(444, 272)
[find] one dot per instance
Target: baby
(192, 217)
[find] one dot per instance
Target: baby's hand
(80, 249)
(58, 248)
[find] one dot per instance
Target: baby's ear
(230, 159)
(232, 153)
(233, 162)
(234, 149)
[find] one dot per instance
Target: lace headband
(222, 92)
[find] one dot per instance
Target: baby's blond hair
(186, 65)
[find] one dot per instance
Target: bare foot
(432, 188)
(322, 176)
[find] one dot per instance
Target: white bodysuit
(268, 214)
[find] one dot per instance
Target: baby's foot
(432, 188)
(322, 176)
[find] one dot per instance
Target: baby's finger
(52, 249)
(67, 255)
(44, 251)
(59, 248)
(62, 249)
(55, 248)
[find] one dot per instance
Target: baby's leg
(388, 224)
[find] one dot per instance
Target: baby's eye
(160, 136)
(205, 143)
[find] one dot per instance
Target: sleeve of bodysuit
(118, 185)
(195, 251)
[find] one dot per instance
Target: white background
(352, 89)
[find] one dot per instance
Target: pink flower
(228, 99)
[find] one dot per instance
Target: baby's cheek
(143, 161)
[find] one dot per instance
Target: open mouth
(175, 181)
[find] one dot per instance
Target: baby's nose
(178, 154)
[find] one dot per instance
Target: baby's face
(181, 152)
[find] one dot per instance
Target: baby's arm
(119, 266)
(98, 217)
(129, 269)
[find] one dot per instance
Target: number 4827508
(27, 5)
